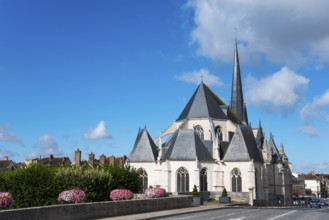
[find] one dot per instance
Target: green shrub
(124, 178)
(195, 191)
(34, 185)
(95, 182)
(39, 185)
(224, 193)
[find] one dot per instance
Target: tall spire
(237, 102)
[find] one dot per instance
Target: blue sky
(87, 74)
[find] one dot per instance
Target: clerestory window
(199, 130)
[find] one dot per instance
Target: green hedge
(31, 186)
(96, 183)
(127, 178)
(39, 185)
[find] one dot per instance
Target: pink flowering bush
(155, 192)
(6, 199)
(121, 194)
(71, 196)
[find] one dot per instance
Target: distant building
(324, 186)
(103, 160)
(50, 161)
(313, 184)
(298, 184)
(212, 145)
(6, 164)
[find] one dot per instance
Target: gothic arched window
(203, 180)
(219, 133)
(199, 130)
(236, 180)
(143, 175)
(182, 180)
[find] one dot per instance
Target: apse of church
(212, 145)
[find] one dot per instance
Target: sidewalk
(148, 215)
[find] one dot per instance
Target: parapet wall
(97, 209)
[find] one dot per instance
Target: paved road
(214, 211)
(254, 214)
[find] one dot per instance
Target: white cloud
(319, 168)
(45, 146)
(309, 130)
(6, 135)
(280, 91)
(290, 32)
(98, 132)
(195, 77)
(4, 152)
(32, 155)
(316, 109)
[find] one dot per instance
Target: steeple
(237, 102)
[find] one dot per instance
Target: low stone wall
(97, 209)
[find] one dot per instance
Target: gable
(186, 145)
(144, 149)
(203, 104)
(243, 146)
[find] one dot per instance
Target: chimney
(91, 159)
(102, 159)
(112, 160)
(5, 158)
(77, 157)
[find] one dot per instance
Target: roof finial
(202, 77)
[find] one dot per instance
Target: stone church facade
(212, 145)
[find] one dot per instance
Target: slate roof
(6, 164)
(243, 146)
(186, 145)
(260, 136)
(144, 149)
(237, 102)
(275, 151)
(208, 144)
(223, 148)
(203, 104)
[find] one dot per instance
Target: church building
(213, 146)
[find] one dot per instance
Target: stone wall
(97, 209)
